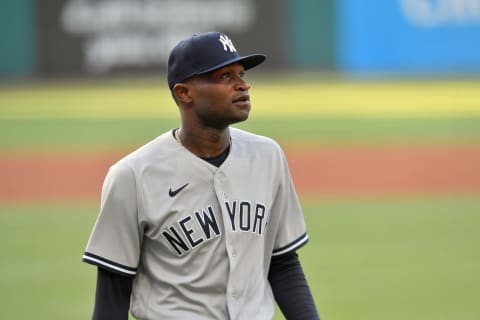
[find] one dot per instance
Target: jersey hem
(292, 246)
(108, 264)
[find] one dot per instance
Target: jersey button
(234, 253)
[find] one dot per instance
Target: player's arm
(115, 244)
(112, 296)
(290, 288)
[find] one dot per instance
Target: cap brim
(248, 62)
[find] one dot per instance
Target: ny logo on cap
(227, 43)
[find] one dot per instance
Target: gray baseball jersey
(198, 239)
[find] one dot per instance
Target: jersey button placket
(223, 179)
(221, 188)
(235, 295)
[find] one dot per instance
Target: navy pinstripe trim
(108, 264)
(292, 246)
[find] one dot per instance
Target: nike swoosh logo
(173, 193)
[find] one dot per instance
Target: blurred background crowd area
(43, 38)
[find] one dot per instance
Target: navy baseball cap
(203, 53)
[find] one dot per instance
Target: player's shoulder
(242, 136)
(254, 142)
(153, 151)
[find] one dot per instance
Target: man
(203, 222)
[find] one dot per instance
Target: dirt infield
(335, 171)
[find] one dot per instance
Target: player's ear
(182, 92)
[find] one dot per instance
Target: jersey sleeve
(115, 241)
(291, 233)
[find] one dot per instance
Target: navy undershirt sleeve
(112, 296)
(290, 288)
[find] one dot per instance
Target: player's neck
(204, 143)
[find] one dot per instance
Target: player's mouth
(243, 100)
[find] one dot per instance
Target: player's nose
(241, 84)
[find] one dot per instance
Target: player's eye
(226, 75)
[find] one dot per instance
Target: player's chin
(240, 115)
(242, 107)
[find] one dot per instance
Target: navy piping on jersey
(292, 246)
(108, 264)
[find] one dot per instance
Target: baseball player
(203, 222)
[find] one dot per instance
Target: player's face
(220, 97)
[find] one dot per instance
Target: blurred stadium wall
(17, 38)
(103, 37)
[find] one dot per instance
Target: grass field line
(369, 99)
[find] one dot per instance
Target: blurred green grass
(125, 114)
(104, 134)
(401, 259)
(414, 259)
(272, 96)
